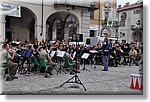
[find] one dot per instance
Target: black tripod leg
(79, 82)
(67, 81)
(85, 69)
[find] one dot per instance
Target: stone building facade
(104, 19)
(55, 20)
(130, 17)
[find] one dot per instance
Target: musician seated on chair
(133, 52)
(60, 47)
(20, 48)
(92, 55)
(7, 62)
(98, 58)
(44, 54)
(68, 54)
(71, 58)
(132, 55)
(118, 53)
(138, 57)
(36, 54)
(72, 48)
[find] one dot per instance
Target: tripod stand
(75, 78)
(77, 81)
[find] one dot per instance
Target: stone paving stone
(115, 81)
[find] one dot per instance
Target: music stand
(94, 54)
(84, 57)
(22, 57)
(60, 55)
(26, 57)
(52, 54)
(75, 77)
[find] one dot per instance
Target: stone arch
(50, 29)
(63, 18)
(22, 27)
(71, 26)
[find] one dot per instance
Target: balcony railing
(114, 24)
(106, 9)
(136, 27)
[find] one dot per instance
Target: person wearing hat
(105, 54)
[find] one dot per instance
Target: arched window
(123, 19)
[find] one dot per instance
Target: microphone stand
(75, 78)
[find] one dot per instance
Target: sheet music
(85, 55)
(52, 53)
(61, 53)
(92, 51)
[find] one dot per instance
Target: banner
(10, 10)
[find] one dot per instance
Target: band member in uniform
(105, 54)
(7, 62)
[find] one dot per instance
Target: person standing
(105, 54)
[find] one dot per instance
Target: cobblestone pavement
(115, 81)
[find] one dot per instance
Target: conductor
(105, 53)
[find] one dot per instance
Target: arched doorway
(57, 33)
(61, 25)
(137, 35)
(21, 27)
(71, 26)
